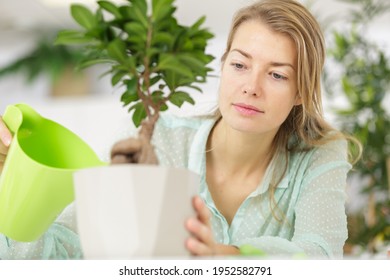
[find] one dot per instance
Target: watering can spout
(15, 115)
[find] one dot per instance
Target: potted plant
(156, 61)
(364, 70)
(56, 62)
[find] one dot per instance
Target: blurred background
(356, 88)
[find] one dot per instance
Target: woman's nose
(252, 85)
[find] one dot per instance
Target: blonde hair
(305, 122)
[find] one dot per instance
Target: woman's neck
(239, 153)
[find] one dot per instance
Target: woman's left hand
(202, 242)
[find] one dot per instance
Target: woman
(273, 172)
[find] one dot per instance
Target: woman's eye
(238, 66)
(278, 76)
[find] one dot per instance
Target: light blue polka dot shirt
(310, 198)
(310, 201)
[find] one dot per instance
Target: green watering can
(36, 183)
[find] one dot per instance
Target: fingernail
(6, 140)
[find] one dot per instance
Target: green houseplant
(55, 62)
(156, 61)
(151, 55)
(364, 70)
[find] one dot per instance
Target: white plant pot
(133, 211)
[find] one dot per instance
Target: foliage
(150, 54)
(364, 75)
(46, 59)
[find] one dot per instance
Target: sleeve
(320, 225)
(60, 241)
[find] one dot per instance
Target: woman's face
(258, 85)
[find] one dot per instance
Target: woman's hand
(202, 242)
(5, 141)
(133, 150)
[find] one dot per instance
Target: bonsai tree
(364, 70)
(154, 58)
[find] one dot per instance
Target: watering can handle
(13, 118)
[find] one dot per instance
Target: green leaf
(139, 113)
(129, 96)
(131, 84)
(198, 23)
(163, 107)
(158, 98)
(83, 16)
(117, 77)
(68, 37)
(92, 62)
(152, 52)
(196, 88)
(130, 64)
(163, 38)
(162, 9)
(141, 5)
(154, 80)
(179, 97)
(137, 30)
(191, 61)
(117, 50)
(111, 8)
(137, 12)
(99, 15)
(170, 63)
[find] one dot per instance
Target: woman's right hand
(5, 141)
(133, 150)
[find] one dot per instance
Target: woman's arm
(60, 241)
(320, 222)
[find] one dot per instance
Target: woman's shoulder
(311, 163)
(175, 136)
(336, 148)
(330, 152)
(333, 150)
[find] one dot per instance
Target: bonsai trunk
(147, 155)
(137, 150)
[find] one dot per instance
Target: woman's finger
(2, 157)
(5, 134)
(3, 149)
(202, 211)
(200, 231)
(119, 159)
(2, 160)
(125, 148)
(197, 248)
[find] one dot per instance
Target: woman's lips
(247, 110)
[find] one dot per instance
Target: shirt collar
(274, 174)
(197, 154)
